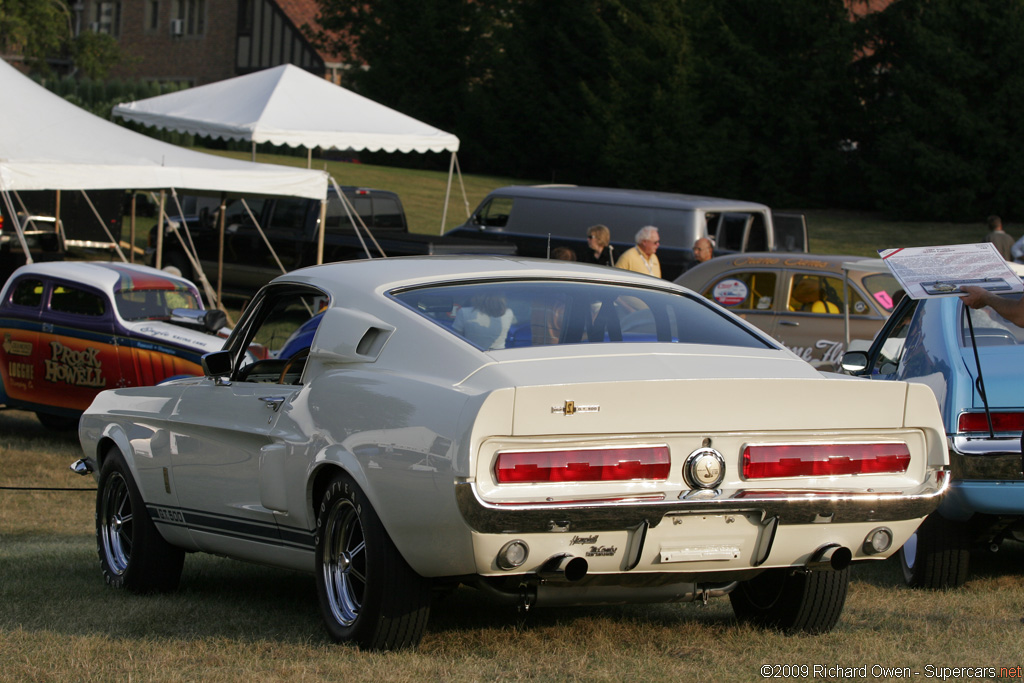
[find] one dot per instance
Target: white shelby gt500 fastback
(550, 433)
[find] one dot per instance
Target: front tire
(133, 554)
(792, 600)
(368, 594)
(937, 555)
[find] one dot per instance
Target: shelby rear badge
(571, 408)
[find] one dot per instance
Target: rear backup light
(1001, 422)
(604, 464)
(824, 460)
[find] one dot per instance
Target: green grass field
(232, 621)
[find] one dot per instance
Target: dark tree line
(914, 110)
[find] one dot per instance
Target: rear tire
(792, 600)
(133, 554)
(368, 594)
(938, 554)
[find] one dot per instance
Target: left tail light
(574, 465)
(824, 460)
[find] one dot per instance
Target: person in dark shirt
(599, 246)
(1004, 243)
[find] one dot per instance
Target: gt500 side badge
(571, 408)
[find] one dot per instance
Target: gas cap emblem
(704, 468)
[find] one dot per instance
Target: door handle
(791, 323)
(272, 402)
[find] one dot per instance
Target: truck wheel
(368, 594)
(937, 555)
(792, 600)
(133, 554)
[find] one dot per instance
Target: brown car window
(813, 293)
(744, 291)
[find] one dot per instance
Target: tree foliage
(943, 93)
(34, 29)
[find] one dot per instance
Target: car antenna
(981, 382)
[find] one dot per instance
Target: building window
(108, 18)
(192, 16)
(245, 10)
(152, 19)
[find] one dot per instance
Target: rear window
(511, 314)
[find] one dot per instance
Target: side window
(235, 213)
(387, 213)
(279, 340)
(496, 212)
(28, 292)
(757, 239)
(744, 291)
(890, 350)
(289, 215)
(818, 294)
(732, 227)
(66, 299)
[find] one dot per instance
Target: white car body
(415, 417)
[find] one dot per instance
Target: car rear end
(583, 491)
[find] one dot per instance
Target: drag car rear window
(502, 315)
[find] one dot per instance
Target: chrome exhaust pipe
(832, 557)
(563, 568)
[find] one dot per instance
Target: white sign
(926, 272)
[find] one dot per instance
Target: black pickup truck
(292, 226)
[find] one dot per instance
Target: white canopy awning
(286, 105)
(47, 143)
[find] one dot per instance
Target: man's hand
(976, 297)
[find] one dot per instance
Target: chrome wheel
(344, 565)
(116, 523)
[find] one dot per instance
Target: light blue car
(929, 341)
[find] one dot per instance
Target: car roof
(396, 272)
(106, 276)
(608, 195)
(826, 263)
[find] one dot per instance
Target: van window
(495, 213)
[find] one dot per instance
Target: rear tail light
(1001, 422)
(599, 464)
(824, 460)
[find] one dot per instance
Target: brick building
(202, 41)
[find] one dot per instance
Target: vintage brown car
(800, 299)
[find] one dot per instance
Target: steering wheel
(296, 357)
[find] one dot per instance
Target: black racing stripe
(233, 527)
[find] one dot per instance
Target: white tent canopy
(286, 105)
(47, 143)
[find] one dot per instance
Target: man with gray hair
(642, 258)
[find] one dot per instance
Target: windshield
(505, 314)
(153, 304)
(990, 328)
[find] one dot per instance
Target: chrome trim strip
(978, 445)
(797, 507)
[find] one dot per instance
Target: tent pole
(254, 150)
(309, 157)
(321, 231)
(447, 193)
(57, 227)
(220, 247)
(465, 199)
(159, 263)
(131, 230)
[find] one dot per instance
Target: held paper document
(926, 272)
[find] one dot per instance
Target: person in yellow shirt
(643, 257)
